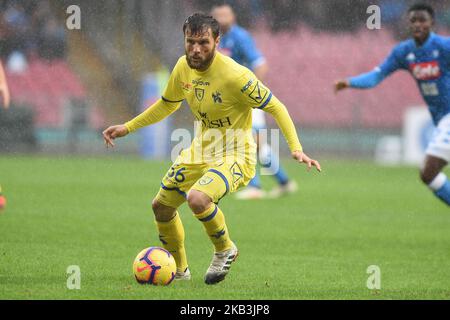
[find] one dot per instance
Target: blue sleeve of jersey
(366, 80)
(249, 51)
(373, 78)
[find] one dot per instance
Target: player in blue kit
(427, 57)
(238, 44)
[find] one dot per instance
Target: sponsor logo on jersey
(245, 88)
(203, 115)
(213, 124)
(411, 57)
(186, 86)
(217, 97)
(217, 123)
(200, 83)
(425, 70)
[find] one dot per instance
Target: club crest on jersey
(199, 94)
(203, 115)
(425, 70)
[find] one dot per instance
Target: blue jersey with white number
(238, 44)
(429, 64)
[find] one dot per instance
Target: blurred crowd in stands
(29, 29)
(333, 16)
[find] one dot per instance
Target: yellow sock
(171, 234)
(214, 222)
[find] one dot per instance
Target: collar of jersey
(430, 38)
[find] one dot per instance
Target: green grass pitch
(318, 244)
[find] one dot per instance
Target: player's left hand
(114, 132)
(303, 158)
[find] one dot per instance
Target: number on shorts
(179, 176)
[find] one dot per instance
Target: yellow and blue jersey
(221, 99)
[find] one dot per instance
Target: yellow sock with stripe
(171, 235)
(213, 220)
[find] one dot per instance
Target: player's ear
(217, 40)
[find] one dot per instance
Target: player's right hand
(341, 85)
(113, 132)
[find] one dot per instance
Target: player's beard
(201, 64)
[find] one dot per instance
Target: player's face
(420, 24)
(225, 16)
(200, 49)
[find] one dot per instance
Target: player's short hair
(199, 22)
(422, 7)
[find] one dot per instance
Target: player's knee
(426, 176)
(162, 212)
(156, 206)
(433, 166)
(198, 201)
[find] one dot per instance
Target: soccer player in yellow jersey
(222, 157)
(4, 94)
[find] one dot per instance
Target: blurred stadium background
(70, 207)
(67, 85)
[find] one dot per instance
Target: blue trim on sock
(281, 177)
(210, 217)
(444, 192)
(256, 181)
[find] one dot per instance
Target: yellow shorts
(214, 180)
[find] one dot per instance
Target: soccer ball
(154, 266)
